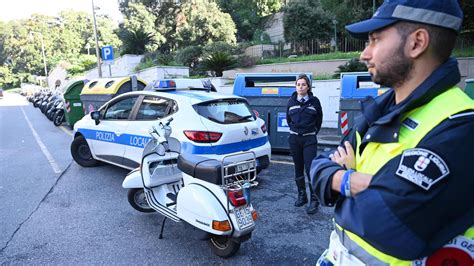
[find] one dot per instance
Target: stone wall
(122, 66)
(58, 74)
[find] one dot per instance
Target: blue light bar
(165, 84)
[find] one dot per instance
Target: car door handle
(118, 133)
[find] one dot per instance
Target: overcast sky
(16, 9)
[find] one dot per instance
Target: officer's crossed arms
(345, 157)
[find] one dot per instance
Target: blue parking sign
(108, 53)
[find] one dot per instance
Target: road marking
(282, 162)
(66, 130)
(45, 151)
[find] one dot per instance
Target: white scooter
(210, 195)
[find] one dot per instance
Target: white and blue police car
(205, 122)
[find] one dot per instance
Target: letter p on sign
(108, 53)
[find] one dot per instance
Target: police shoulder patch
(422, 167)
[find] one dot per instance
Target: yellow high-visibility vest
(376, 155)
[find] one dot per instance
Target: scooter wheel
(137, 199)
(224, 246)
(81, 152)
(58, 118)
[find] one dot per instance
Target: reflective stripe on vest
(376, 155)
(427, 117)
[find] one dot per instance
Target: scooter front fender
(199, 206)
(133, 179)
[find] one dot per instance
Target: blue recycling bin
(355, 86)
(268, 94)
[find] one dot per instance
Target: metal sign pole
(99, 67)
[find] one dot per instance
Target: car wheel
(137, 199)
(81, 153)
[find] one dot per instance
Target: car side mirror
(96, 116)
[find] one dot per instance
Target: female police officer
(304, 116)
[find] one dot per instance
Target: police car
(206, 123)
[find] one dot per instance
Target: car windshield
(226, 111)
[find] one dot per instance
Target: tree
(249, 15)
(136, 41)
(468, 23)
(166, 25)
(349, 11)
(64, 37)
(306, 20)
(6, 77)
(139, 18)
(190, 56)
(200, 22)
(193, 22)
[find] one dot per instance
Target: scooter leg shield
(199, 206)
(133, 179)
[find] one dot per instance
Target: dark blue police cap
(442, 13)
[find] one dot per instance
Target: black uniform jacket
(304, 117)
(393, 214)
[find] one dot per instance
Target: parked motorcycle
(211, 196)
(58, 117)
(53, 107)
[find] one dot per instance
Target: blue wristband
(345, 188)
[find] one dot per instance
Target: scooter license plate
(244, 217)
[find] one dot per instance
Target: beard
(395, 70)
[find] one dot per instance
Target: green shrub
(353, 65)
(246, 61)
(189, 56)
(218, 62)
(221, 47)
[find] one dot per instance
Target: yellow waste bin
(98, 91)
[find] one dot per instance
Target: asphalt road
(53, 211)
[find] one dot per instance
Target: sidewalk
(329, 137)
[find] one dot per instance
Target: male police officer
(407, 191)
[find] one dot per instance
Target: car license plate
(244, 166)
(244, 217)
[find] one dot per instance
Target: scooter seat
(200, 167)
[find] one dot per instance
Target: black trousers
(303, 150)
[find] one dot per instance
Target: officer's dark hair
(442, 40)
(305, 77)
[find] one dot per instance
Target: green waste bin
(470, 87)
(73, 106)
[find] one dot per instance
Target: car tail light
(264, 128)
(203, 136)
(256, 113)
(237, 198)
